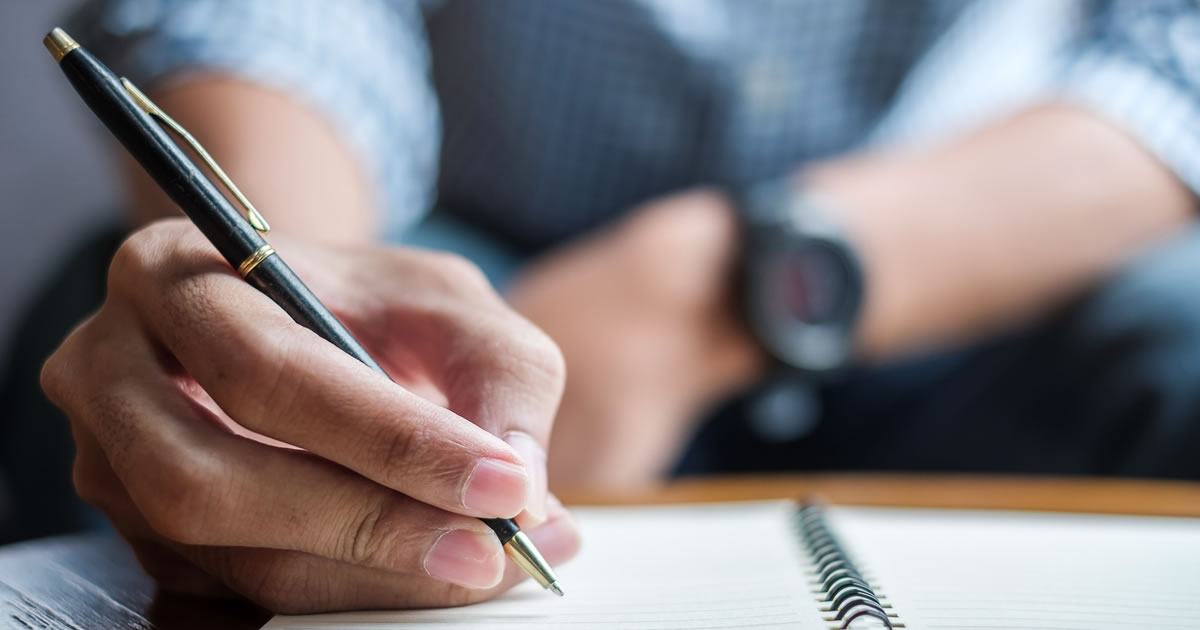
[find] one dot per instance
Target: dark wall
(56, 176)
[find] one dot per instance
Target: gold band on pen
(252, 261)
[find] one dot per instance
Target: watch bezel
(817, 349)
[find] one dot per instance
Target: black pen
(131, 117)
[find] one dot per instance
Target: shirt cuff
(1161, 113)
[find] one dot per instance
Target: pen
(131, 117)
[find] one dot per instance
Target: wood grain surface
(92, 581)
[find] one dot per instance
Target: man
(617, 146)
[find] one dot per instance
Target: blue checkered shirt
(538, 119)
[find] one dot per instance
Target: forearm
(997, 226)
(287, 160)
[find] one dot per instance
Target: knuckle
(547, 358)
(129, 259)
(181, 504)
(157, 255)
(264, 394)
(66, 375)
(53, 379)
(57, 377)
(396, 453)
(521, 352)
(367, 536)
(391, 534)
(137, 256)
(177, 501)
(459, 271)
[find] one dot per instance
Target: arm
(998, 226)
(245, 126)
(1018, 217)
(994, 227)
(323, 113)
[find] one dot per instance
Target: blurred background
(54, 169)
(636, 135)
(58, 185)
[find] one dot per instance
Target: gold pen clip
(252, 215)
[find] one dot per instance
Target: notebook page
(1009, 570)
(684, 567)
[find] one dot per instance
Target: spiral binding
(845, 596)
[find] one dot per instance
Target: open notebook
(759, 565)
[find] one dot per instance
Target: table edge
(965, 491)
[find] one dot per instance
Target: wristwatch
(802, 285)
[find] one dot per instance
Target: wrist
(869, 198)
(801, 281)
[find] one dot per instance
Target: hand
(236, 450)
(643, 315)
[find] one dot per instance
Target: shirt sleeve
(363, 64)
(1138, 63)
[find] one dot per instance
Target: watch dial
(810, 283)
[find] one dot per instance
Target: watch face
(804, 297)
(812, 283)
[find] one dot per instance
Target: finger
(200, 485)
(96, 483)
(300, 582)
(281, 380)
(509, 381)
(494, 368)
(297, 583)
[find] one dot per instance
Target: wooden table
(92, 581)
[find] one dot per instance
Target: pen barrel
(159, 155)
(275, 279)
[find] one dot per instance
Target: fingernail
(535, 462)
(496, 488)
(466, 558)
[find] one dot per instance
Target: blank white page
(684, 567)
(1011, 570)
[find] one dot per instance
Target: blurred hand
(643, 315)
(237, 451)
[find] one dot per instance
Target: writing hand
(238, 451)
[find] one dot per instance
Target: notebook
(783, 565)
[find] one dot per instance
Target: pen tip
(554, 588)
(59, 43)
